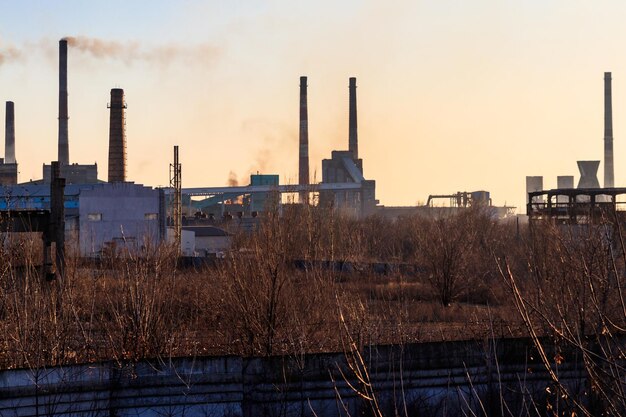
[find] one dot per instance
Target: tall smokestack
(117, 137)
(353, 139)
(609, 179)
(303, 167)
(64, 152)
(9, 134)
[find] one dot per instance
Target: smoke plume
(132, 51)
(8, 53)
(232, 179)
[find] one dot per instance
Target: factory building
(72, 172)
(450, 205)
(120, 216)
(588, 202)
(8, 173)
(261, 201)
(347, 167)
(209, 240)
(99, 217)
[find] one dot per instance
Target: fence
(416, 379)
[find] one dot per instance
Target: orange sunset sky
(452, 95)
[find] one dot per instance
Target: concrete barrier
(417, 379)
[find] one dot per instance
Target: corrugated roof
(42, 190)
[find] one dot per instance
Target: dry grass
(486, 282)
(256, 302)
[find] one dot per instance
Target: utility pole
(56, 228)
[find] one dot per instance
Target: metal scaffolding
(577, 205)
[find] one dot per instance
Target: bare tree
(574, 293)
(450, 247)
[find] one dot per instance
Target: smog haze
(453, 95)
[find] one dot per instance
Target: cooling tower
(588, 174)
(9, 134)
(533, 183)
(64, 153)
(117, 137)
(609, 181)
(353, 139)
(564, 182)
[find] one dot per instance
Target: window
(94, 217)
(150, 216)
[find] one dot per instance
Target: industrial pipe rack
(583, 205)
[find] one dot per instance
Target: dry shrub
(572, 289)
(457, 251)
(254, 302)
(35, 328)
(271, 307)
(140, 318)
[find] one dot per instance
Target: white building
(99, 217)
(119, 216)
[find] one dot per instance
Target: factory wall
(8, 173)
(116, 216)
(187, 241)
(213, 244)
(74, 173)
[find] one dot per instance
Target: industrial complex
(588, 202)
(103, 216)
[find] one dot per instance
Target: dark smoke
(130, 52)
(232, 179)
(100, 48)
(8, 53)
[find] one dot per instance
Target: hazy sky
(452, 95)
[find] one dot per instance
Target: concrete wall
(433, 379)
(342, 167)
(534, 183)
(187, 241)
(8, 174)
(74, 174)
(120, 215)
(213, 244)
(567, 182)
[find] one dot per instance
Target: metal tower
(175, 183)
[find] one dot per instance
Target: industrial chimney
(609, 179)
(117, 137)
(353, 139)
(64, 153)
(9, 134)
(303, 167)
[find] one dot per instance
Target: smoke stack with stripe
(353, 138)
(609, 179)
(64, 153)
(117, 137)
(9, 134)
(303, 161)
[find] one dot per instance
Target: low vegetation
(304, 277)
